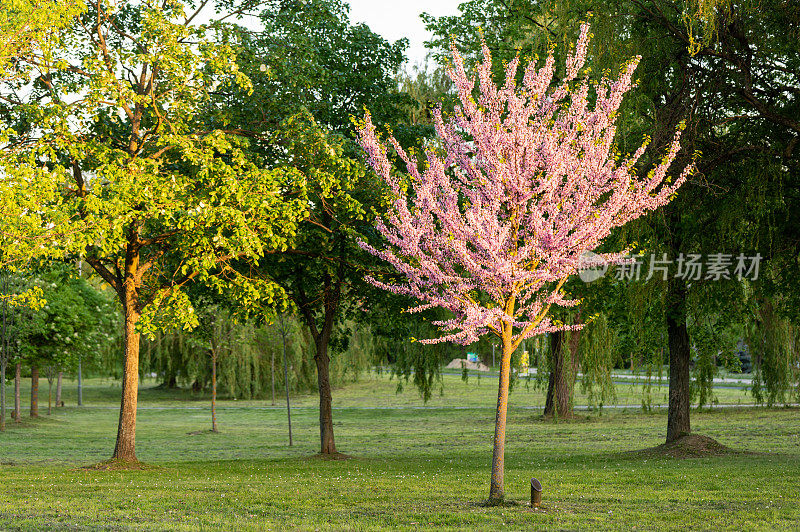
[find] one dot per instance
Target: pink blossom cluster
(529, 181)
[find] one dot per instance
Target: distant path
(743, 379)
(634, 380)
(412, 407)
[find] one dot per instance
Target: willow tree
(528, 182)
(107, 154)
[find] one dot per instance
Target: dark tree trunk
(322, 336)
(559, 389)
(679, 356)
(17, 393)
(34, 391)
(574, 349)
(125, 448)
(327, 442)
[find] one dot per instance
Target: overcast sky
(397, 19)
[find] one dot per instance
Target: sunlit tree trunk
(497, 489)
(125, 448)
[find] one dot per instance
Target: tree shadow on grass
(330, 456)
(118, 465)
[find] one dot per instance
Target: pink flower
(492, 229)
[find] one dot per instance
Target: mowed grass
(376, 390)
(411, 468)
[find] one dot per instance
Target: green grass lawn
(411, 469)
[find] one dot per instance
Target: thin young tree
(527, 181)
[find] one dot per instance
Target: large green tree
(108, 153)
(312, 71)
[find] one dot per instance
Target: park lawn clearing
(410, 469)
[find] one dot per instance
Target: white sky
(397, 19)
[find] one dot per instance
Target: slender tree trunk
(679, 356)
(80, 383)
(3, 391)
(17, 393)
(496, 489)
(49, 393)
(214, 391)
(327, 443)
(58, 389)
(34, 391)
(559, 389)
(125, 449)
(574, 350)
(286, 380)
(4, 357)
(272, 370)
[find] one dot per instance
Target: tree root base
(691, 446)
(115, 464)
(331, 456)
(490, 503)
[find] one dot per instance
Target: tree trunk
(3, 361)
(679, 356)
(34, 391)
(4, 357)
(272, 370)
(496, 489)
(559, 389)
(80, 383)
(171, 379)
(574, 349)
(214, 391)
(327, 443)
(49, 393)
(59, 402)
(17, 393)
(125, 449)
(286, 381)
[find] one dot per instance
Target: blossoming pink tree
(529, 181)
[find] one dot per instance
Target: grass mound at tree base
(691, 446)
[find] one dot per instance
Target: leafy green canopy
(107, 151)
